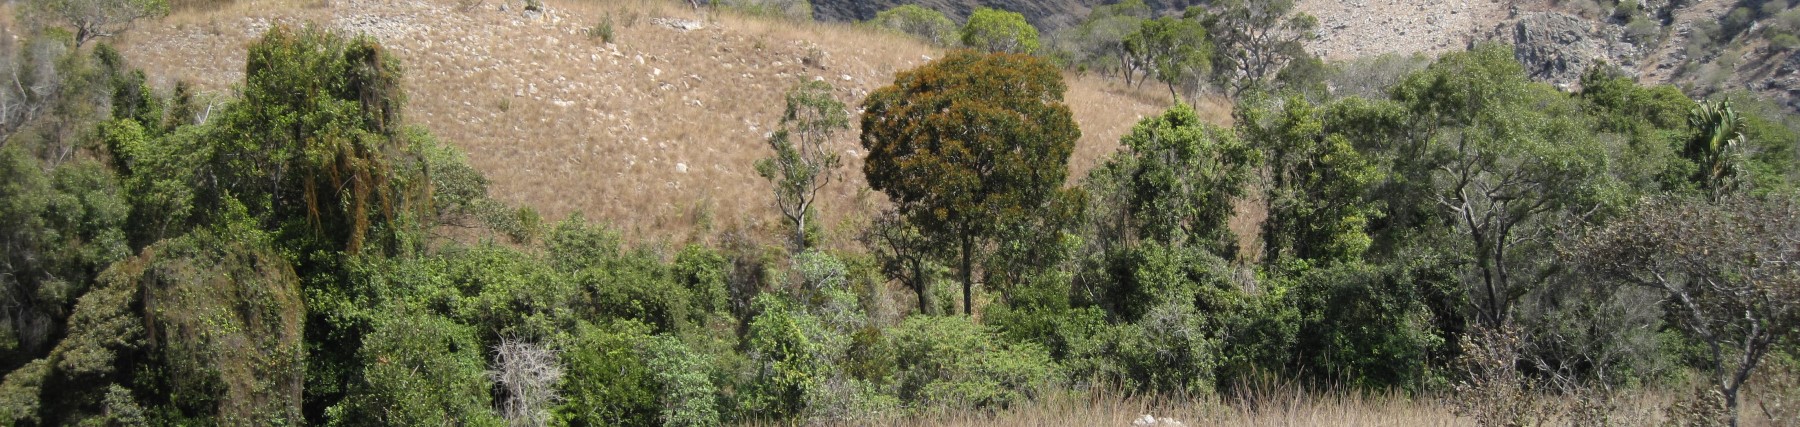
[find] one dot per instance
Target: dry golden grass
(1285, 405)
(1277, 409)
(654, 132)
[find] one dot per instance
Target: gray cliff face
(1557, 47)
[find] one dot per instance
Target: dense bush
(419, 369)
(609, 381)
(947, 362)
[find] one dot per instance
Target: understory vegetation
(301, 255)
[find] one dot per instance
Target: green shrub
(918, 21)
(1784, 41)
(1169, 351)
(576, 244)
(994, 30)
(1643, 30)
(419, 369)
(688, 396)
(609, 381)
(947, 363)
(602, 30)
(706, 273)
(791, 353)
(639, 287)
(499, 291)
(1362, 328)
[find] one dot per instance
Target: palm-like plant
(1715, 145)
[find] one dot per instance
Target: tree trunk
(919, 285)
(968, 245)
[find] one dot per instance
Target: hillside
(656, 131)
(1681, 42)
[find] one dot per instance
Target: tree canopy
(967, 143)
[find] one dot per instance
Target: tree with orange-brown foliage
(968, 145)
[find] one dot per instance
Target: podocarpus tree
(803, 163)
(1730, 270)
(968, 143)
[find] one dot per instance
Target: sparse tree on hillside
(968, 144)
(803, 163)
(918, 21)
(93, 19)
(994, 30)
(1098, 42)
(1255, 40)
(1171, 49)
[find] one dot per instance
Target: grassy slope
(654, 132)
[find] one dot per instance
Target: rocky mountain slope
(1658, 41)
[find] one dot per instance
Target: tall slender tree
(803, 164)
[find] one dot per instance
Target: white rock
(681, 167)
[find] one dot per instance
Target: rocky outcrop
(1558, 47)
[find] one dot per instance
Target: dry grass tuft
(655, 132)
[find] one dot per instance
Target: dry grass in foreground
(656, 131)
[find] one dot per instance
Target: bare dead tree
(528, 372)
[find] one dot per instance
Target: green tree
(307, 150)
(790, 350)
(1183, 178)
(419, 369)
(804, 162)
(1515, 161)
(1319, 183)
(1172, 49)
(93, 19)
(1255, 40)
(609, 379)
(918, 21)
(994, 30)
(1098, 41)
(968, 143)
